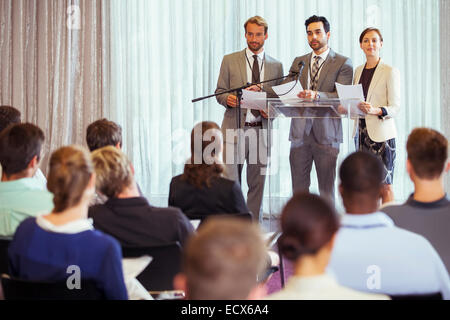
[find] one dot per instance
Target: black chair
(166, 263)
(4, 244)
(426, 296)
(18, 289)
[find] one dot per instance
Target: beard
(255, 46)
(318, 45)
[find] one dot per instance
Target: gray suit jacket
(233, 73)
(336, 68)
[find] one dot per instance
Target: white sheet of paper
(286, 94)
(351, 95)
(253, 100)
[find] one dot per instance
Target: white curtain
(165, 53)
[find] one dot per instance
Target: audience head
(113, 170)
(308, 223)
(8, 115)
(206, 155)
(361, 175)
(427, 154)
(71, 177)
(102, 133)
(222, 261)
(21, 146)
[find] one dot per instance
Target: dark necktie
(313, 85)
(255, 78)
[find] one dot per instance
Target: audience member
(427, 211)
(44, 247)
(223, 261)
(309, 225)
(202, 190)
(371, 253)
(21, 196)
(9, 116)
(102, 133)
(126, 215)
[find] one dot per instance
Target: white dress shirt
(371, 254)
(322, 287)
(249, 63)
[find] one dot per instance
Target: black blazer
(134, 222)
(224, 196)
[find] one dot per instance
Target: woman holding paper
(381, 86)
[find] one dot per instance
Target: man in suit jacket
(317, 140)
(248, 66)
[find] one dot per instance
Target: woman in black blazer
(202, 190)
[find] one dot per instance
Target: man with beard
(250, 65)
(317, 140)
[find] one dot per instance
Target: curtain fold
(53, 72)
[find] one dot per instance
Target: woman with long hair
(202, 190)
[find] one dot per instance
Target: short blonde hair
(113, 170)
(260, 21)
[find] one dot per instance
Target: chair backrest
(4, 244)
(166, 263)
(19, 289)
(425, 296)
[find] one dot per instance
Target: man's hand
(369, 109)
(232, 101)
(254, 88)
(307, 94)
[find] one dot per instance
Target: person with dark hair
(21, 196)
(10, 116)
(371, 254)
(222, 261)
(126, 215)
(251, 65)
(427, 210)
(45, 247)
(317, 140)
(309, 225)
(202, 190)
(102, 133)
(381, 87)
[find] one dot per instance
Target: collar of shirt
(310, 283)
(323, 55)
(366, 221)
(445, 201)
(72, 227)
(250, 55)
(20, 184)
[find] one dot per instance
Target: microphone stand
(238, 91)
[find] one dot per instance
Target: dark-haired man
(250, 65)
(427, 211)
(317, 140)
(10, 116)
(20, 195)
(102, 133)
(371, 254)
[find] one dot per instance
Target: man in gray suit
(317, 140)
(248, 66)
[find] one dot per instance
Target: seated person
(427, 211)
(103, 133)
(44, 247)
(10, 116)
(21, 196)
(126, 215)
(370, 253)
(309, 225)
(201, 190)
(222, 261)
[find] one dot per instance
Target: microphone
(301, 65)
